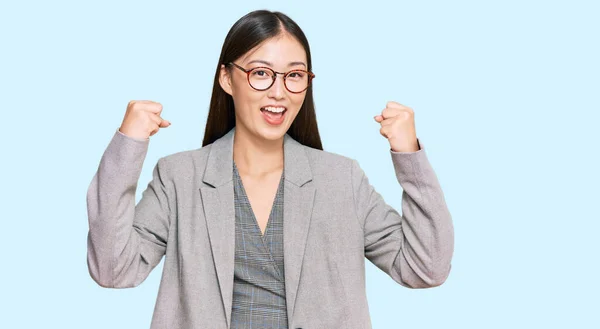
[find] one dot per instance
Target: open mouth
(273, 115)
(273, 109)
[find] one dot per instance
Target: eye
(296, 74)
(261, 73)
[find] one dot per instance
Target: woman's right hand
(142, 119)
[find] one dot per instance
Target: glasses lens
(297, 81)
(261, 78)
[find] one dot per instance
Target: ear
(225, 80)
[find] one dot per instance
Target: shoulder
(321, 157)
(187, 161)
(330, 164)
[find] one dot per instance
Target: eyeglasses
(262, 78)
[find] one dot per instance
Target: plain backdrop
(505, 95)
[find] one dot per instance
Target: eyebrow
(271, 64)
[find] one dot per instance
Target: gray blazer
(333, 220)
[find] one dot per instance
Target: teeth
(274, 109)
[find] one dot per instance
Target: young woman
(261, 228)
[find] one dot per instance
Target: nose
(277, 90)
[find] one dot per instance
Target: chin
(273, 133)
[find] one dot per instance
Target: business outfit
(332, 219)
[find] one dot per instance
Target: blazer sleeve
(415, 248)
(126, 241)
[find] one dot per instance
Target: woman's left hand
(398, 126)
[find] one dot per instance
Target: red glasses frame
(285, 74)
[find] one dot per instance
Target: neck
(257, 157)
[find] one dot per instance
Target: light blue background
(505, 95)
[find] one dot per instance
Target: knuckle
(130, 106)
(394, 104)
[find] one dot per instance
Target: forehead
(279, 50)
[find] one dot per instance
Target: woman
(261, 228)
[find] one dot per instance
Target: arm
(415, 249)
(125, 241)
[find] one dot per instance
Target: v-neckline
(246, 199)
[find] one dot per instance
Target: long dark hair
(249, 31)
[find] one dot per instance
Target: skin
(398, 127)
(258, 146)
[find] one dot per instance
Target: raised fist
(142, 119)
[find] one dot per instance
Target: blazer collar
(219, 212)
(219, 167)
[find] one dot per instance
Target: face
(282, 54)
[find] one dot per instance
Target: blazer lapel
(219, 211)
(298, 199)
